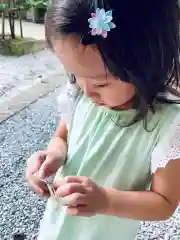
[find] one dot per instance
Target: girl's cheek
(108, 97)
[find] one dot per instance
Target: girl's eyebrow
(97, 76)
(92, 76)
(99, 81)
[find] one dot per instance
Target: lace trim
(168, 148)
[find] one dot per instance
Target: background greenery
(32, 3)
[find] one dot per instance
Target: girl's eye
(101, 86)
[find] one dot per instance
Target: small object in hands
(49, 183)
(19, 236)
(51, 190)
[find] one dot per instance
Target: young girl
(121, 149)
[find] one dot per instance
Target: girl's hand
(44, 164)
(81, 196)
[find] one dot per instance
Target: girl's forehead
(83, 61)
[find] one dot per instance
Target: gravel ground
(29, 131)
(18, 73)
(20, 210)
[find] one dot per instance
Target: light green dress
(112, 155)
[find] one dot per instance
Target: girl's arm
(66, 101)
(161, 202)
(59, 141)
(157, 204)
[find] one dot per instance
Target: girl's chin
(99, 104)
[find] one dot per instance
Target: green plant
(3, 6)
(37, 3)
(22, 4)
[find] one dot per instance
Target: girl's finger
(38, 187)
(70, 188)
(74, 200)
(59, 183)
(46, 169)
(77, 179)
(35, 188)
(35, 162)
(71, 179)
(79, 211)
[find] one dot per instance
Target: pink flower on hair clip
(101, 22)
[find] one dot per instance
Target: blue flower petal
(109, 13)
(102, 15)
(91, 25)
(97, 12)
(108, 19)
(112, 25)
(106, 27)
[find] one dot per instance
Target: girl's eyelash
(101, 86)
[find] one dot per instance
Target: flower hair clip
(101, 22)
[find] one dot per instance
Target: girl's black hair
(143, 48)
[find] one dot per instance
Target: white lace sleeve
(66, 101)
(168, 148)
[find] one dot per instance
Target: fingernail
(41, 174)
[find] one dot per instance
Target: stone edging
(15, 104)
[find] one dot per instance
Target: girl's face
(91, 74)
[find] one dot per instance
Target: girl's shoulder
(168, 145)
(169, 116)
